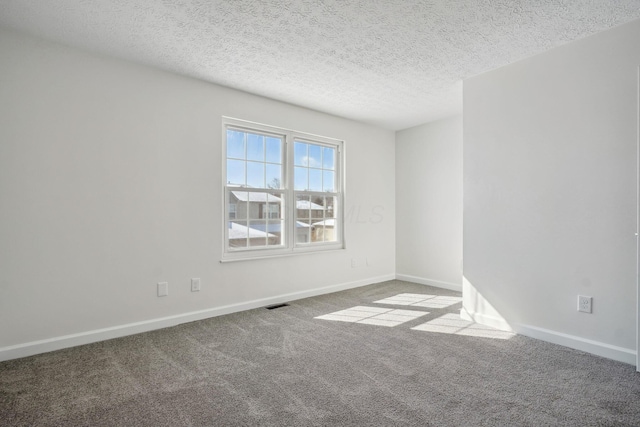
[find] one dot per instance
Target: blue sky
(256, 161)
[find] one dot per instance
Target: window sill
(245, 257)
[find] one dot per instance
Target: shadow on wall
(477, 309)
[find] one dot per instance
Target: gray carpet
(283, 367)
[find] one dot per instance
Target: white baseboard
(88, 337)
(594, 347)
(429, 282)
(483, 319)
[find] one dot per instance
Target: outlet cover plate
(163, 289)
(195, 285)
(584, 303)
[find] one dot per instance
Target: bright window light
(421, 300)
(283, 191)
(451, 323)
(374, 316)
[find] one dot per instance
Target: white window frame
(288, 244)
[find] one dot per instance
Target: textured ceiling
(393, 63)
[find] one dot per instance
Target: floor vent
(274, 306)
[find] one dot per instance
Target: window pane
(257, 207)
(275, 198)
(254, 204)
(257, 210)
(255, 175)
(317, 207)
(235, 173)
(275, 230)
(273, 211)
(237, 204)
(274, 150)
(329, 233)
(274, 206)
(324, 231)
(328, 158)
(303, 231)
(238, 233)
(317, 233)
(309, 208)
(301, 178)
(302, 207)
(330, 207)
(257, 233)
(235, 144)
(301, 154)
(328, 181)
(315, 156)
(274, 176)
(255, 147)
(315, 180)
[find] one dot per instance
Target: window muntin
(314, 167)
(254, 160)
(282, 191)
(257, 220)
(316, 218)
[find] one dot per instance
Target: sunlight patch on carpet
(421, 300)
(451, 323)
(373, 315)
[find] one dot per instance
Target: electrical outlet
(195, 285)
(163, 289)
(584, 303)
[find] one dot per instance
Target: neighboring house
(263, 212)
(239, 236)
(324, 231)
(306, 209)
(304, 231)
(243, 205)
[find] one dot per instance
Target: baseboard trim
(483, 319)
(429, 282)
(620, 354)
(88, 337)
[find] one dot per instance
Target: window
(282, 191)
(272, 211)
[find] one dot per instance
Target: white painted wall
(110, 182)
(550, 192)
(429, 203)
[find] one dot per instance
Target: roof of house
(276, 227)
(253, 196)
(239, 231)
(305, 204)
(260, 197)
(326, 223)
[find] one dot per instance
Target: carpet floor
(389, 354)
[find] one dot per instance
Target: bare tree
(274, 184)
